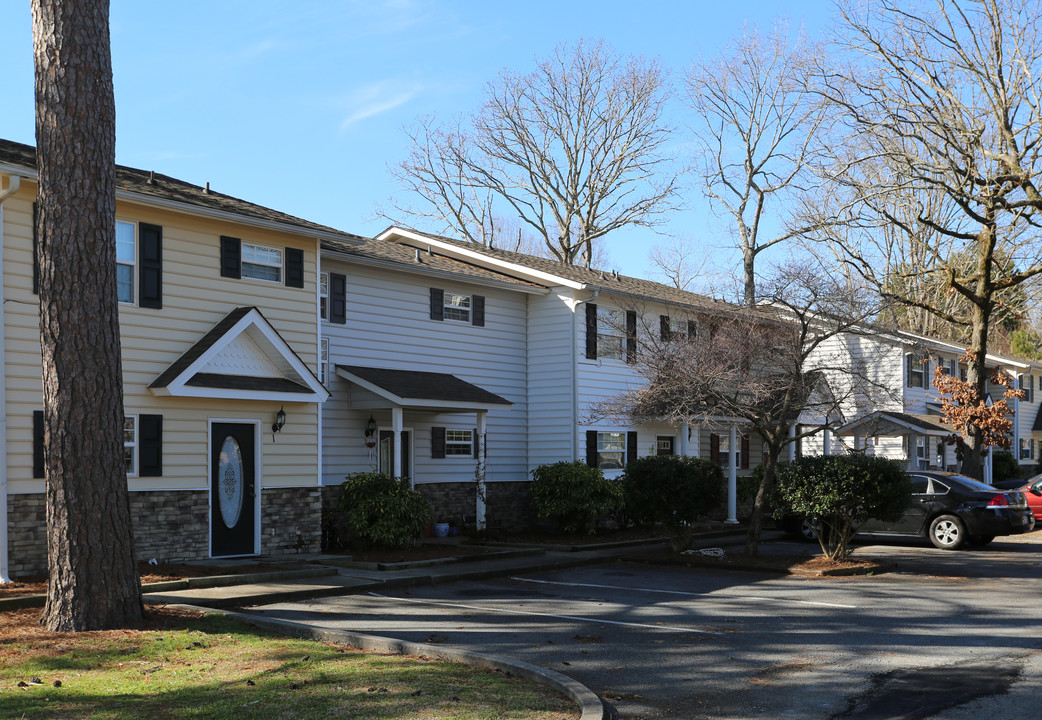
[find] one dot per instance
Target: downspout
(575, 376)
(13, 185)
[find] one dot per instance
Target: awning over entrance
(241, 357)
(419, 389)
(897, 423)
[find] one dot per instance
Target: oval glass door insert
(230, 476)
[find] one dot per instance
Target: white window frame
(1028, 387)
(606, 446)
(125, 262)
(1025, 449)
(459, 442)
(610, 341)
(131, 444)
(323, 359)
(457, 307)
(323, 295)
(260, 262)
(724, 450)
(917, 368)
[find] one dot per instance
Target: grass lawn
(181, 665)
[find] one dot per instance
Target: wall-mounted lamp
(280, 422)
(370, 433)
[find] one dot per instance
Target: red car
(1033, 493)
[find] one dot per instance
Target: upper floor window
(323, 295)
(917, 370)
(261, 263)
(446, 305)
(609, 334)
(675, 329)
(126, 261)
(1027, 384)
(948, 367)
(456, 307)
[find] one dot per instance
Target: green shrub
(841, 493)
(672, 490)
(384, 510)
(574, 495)
(1004, 466)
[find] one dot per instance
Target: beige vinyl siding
(195, 298)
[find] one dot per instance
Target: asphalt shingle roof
(419, 385)
(164, 187)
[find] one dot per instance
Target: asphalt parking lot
(953, 635)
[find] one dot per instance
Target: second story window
(916, 370)
(261, 263)
(126, 261)
(609, 333)
(1027, 384)
(323, 295)
(457, 307)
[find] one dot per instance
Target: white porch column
(826, 439)
(694, 443)
(792, 443)
(482, 448)
(685, 431)
(732, 476)
(857, 442)
(396, 443)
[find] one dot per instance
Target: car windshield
(971, 484)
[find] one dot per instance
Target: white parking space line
(599, 621)
(750, 598)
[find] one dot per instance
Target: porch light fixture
(370, 427)
(280, 422)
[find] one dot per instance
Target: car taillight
(999, 501)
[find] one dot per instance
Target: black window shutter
(714, 448)
(294, 268)
(36, 257)
(745, 451)
(150, 268)
(591, 448)
(631, 446)
(474, 438)
(591, 332)
(150, 445)
(437, 442)
(692, 329)
(663, 328)
(231, 257)
(337, 298)
(631, 337)
(437, 304)
(477, 310)
(38, 471)
(909, 360)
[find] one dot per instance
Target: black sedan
(951, 510)
(954, 510)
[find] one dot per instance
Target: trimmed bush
(672, 490)
(384, 510)
(841, 493)
(573, 495)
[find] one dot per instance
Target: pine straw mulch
(18, 626)
(791, 564)
(164, 572)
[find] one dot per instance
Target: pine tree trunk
(93, 580)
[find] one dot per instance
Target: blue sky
(301, 105)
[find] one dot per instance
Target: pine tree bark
(93, 581)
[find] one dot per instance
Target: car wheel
(808, 530)
(947, 532)
(980, 540)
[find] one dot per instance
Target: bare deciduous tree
(679, 260)
(757, 125)
(92, 573)
(785, 363)
(575, 149)
(943, 107)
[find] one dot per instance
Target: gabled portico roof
(242, 357)
(421, 389)
(884, 422)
